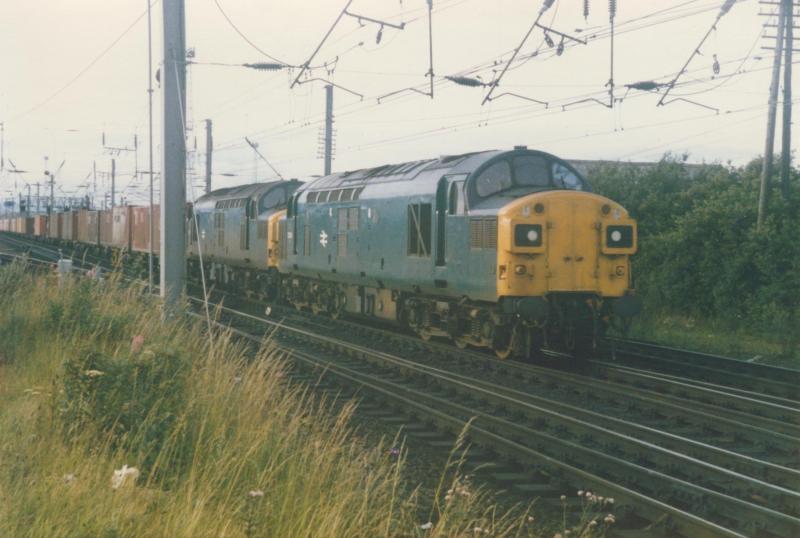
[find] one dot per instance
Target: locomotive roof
(250, 190)
(447, 164)
(464, 163)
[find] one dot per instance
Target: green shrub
(699, 251)
(127, 400)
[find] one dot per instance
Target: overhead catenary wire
(194, 215)
(723, 10)
(88, 67)
(247, 39)
(546, 4)
(673, 13)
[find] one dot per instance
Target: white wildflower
(580, 493)
(609, 519)
(68, 478)
(136, 343)
(477, 530)
(426, 526)
(610, 500)
(592, 523)
(94, 373)
(530, 519)
(255, 493)
(563, 498)
(123, 476)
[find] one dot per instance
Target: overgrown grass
(92, 379)
(718, 337)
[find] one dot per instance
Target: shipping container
(54, 230)
(40, 225)
(140, 229)
(106, 218)
(88, 226)
(69, 225)
(121, 227)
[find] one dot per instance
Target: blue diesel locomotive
(508, 250)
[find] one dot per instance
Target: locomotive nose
(564, 241)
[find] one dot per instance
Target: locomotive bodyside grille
(482, 232)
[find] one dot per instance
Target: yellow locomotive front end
(564, 266)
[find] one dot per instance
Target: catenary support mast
(328, 128)
(173, 147)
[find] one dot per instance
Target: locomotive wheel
(503, 354)
(503, 344)
(336, 305)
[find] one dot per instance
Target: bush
(699, 251)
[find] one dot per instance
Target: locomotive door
(441, 219)
(572, 249)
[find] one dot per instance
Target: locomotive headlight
(520, 270)
(619, 236)
(528, 235)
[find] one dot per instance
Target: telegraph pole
(786, 137)
(766, 168)
(328, 128)
(52, 193)
(209, 152)
(173, 147)
(113, 182)
(150, 216)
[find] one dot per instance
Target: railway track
(699, 491)
(685, 454)
(706, 368)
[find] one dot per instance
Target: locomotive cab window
(524, 174)
(531, 170)
(564, 178)
(274, 198)
(494, 179)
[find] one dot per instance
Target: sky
(74, 77)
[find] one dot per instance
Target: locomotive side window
(455, 201)
(531, 170)
(494, 179)
(419, 230)
(565, 178)
(274, 198)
